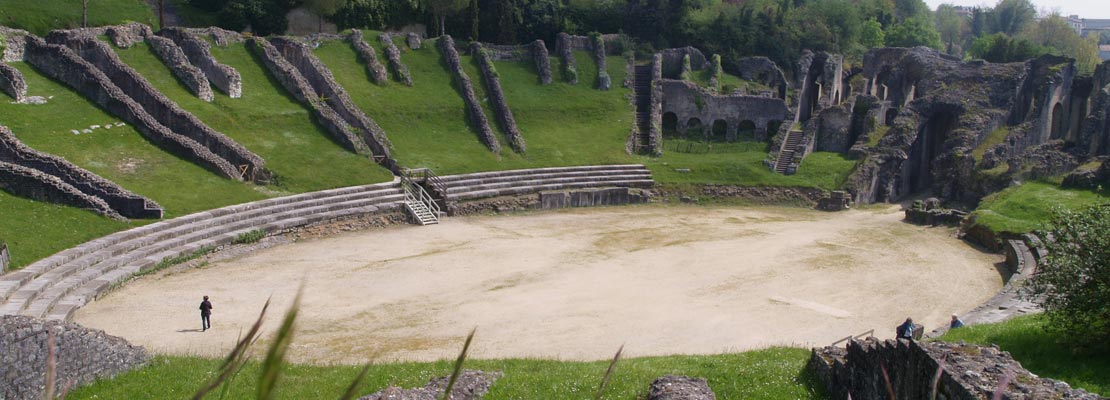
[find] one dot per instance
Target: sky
(1097, 9)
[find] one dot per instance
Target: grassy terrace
(1041, 352)
(41, 16)
(741, 163)
(1026, 207)
(774, 373)
(267, 121)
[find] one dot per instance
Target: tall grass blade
(275, 356)
(353, 389)
(51, 366)
(458, 365)
(1003, 383)
(609, 373)
(236, 358)
(886, 381)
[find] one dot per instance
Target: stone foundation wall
(324, 84)
(223, 77)
(497, 99)
(82, 355)
(5, 257)
(127, 35)
(400, 71)
(191, 76)
(473, 106)
(14, 43)
(12, 83)
(604, 82)
(295, 83)
(369, 56)
(592, 198)
(62, 64)
(543, 61)
(36, 185)
(248, 166)
(128, 204)
(564, 47)
(969, 372)
(413, 40)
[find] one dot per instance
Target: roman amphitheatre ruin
(413, 188)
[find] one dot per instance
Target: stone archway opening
(694, 129)
(746, 130)
(772, 127)
(670, 124)
(891, 114)
(719, 131)
(929, 144)
(1059, 124)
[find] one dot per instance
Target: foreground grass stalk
(352, 391)
(458, 365)
(609, 373)
(275, 356)
(936, 377)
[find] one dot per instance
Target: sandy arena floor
(571, 285)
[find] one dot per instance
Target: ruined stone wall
(164, 110)
(564, 47)
(412, 39)
(1094, 134)
(592, 198)
(497, 99)
(222, 37)
(688, 101)
(543, 61)
(604, 82)
(834, 129)
(14, 43)
(324, 84)
(764, 71)
(370, 57)
(400, 71)
(127, 35)
(655, 133)
(503, 52)
(82, 355)
(36, 185)
(969, 372)
(188, 74)
(223, 77)
(298, 86)
(5, 257)
(473, 106)
(128, 204)
(62, 64)
(819, 81)
(12, 83)
(672, 60)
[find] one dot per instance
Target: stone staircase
(525, 181)
(642, 88)
(788, 151)
(56, 286)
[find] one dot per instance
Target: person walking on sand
(205, 313)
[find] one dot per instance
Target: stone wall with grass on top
(223, 77)
(497, 98)
(543, 61)
(604, 82)
(61, 63)
(400, 70)
(37, 185)
(565, 48)
(12, 82)
(249, 166)
(126, 203)
(13, 42)
(188, 74)
(81, 355)
(323, 83)
(370, 57)
(473, 106)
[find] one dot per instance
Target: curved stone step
(512, 191)
(573, 174)
(491, 174)
(542, 181)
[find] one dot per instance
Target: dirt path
(572, 285)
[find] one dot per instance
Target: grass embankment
(741, 163)
(1028, 206)
(775, 373)
(41, 16)
(1042, 352)
(728, 82)
(267, 121)
(427, 123)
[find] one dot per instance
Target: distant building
(1094, 26)
(1075, 23)
(964, 11)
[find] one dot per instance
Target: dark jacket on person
(205, 308)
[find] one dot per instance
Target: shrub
(1074, 279)
(249, 237)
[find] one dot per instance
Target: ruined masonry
(370, 57)
(223, 77)
(189, 75)
(473, 105)
(393, 54)
(497, 99)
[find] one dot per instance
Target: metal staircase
(419, 203)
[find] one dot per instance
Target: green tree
(441, 8)
(1012, 16)
(871, 34)
(999, 48)
(474, 20)
(1074, 279)
(913, 32)
(1055, 34)
(324, 8)
(951, 26)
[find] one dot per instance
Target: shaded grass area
(1026, 207)
(41, 16)
(1041, 352)
(267, 121)
(775, 373)
(34, 229)
(994, 138)
(741, 163)
(728, 82)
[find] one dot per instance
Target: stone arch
(1057, 123)
(746, 130)
(928, 145)
(719, 131)
(891, 114)
(670, 123)
(773, 127)
(694, 128)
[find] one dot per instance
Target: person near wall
(905, 331)
(956, 322)
(205, 314)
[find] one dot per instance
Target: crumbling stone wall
(503, 52)
(543, 61)
(565, 48)
(672, 60)
(970, 372)
(688, 101)
(5, 257)
(34, 184)
(14, 43)
(128, 204)
(82, 355)
(819, 83)
(412, 39)
(191, 76)
(292, 80)
(223, 77)
(655, 133)
(592, 198)
(1094, 134)
(324, 84)
(12, 83)
(764, 71)
(222, 37)
(370, 57)
(127, 35)
(497, 99)
(61, 63)
(473, 106)
(604, 82)
(249, 166)
(400, 71)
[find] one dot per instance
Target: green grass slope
(34, 229)
(42, 16)
(1028, 206)
(741, 163)
(267, 121)
(775, 373)
(1041, 352)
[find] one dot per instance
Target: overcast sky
(1099, 9)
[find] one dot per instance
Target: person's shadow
(189, 330)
